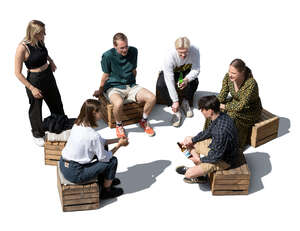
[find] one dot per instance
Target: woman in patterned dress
(243, 104)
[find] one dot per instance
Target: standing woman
(178, 81)
(244, 105)
(40, 83)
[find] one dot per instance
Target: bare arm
(112, 141)
(104, 78)
(19, 59)
(121, 142)
(52, 64)
(134, 72)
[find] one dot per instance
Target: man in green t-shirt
(118, 83)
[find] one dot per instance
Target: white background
(264, 33)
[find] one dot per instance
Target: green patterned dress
(244, 106)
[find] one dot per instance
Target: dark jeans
(46, 83)
(80, 173)
(162, 93)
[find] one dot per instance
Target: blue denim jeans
(80, 173)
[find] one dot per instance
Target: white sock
(145, 116)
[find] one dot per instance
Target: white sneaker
(176, 120)
(39, 141)
(187, 109)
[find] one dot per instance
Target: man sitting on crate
(220, 151)
(119, 82)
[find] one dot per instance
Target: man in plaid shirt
(218, 143)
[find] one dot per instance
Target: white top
(172, 61)
(83, 144)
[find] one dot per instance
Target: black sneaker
(111, 193)
(116, 181)
(196, 180)
(181, 169)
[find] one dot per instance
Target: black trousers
(162, 93)
(46, 83)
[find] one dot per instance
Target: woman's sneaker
(111, 193)
(176, 120)
(39, 141)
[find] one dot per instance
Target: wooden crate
(234, 181)
(132, 112)
(52, 150)
(77, 197)
(264, 130)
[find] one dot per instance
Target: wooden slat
(231, 187)
(222, 193)
(53, 152)
(81, 201)
(51, 162)
(81, 207)
(232, 181)
(79, 186)
(50, 156)
(256, 143)
(267, 129)
(81, 196)
(228, 177)
(137, 113)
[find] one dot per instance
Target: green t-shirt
(119, 68)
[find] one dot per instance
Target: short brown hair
(209, 102)
(86, 116)
(119, 36)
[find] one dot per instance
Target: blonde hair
(34, 27)
(182, 42)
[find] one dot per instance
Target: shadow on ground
(142, 176)
(259, 165)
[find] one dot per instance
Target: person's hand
(183, 84)
(175, 107)
(53, 66)
(222, 106)
(187, 141)
(97, 93)
(123, 142)
(36, 93)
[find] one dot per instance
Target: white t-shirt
(83, 144)
(172, 61)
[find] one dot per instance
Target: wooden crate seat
(52, 150)
(77, 197)
(132, 112)
(265, 130)
(234, 181)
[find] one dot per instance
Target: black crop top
(37, 56)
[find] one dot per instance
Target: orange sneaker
(120, 132)
(145, 125)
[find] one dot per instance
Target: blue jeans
(80, 173)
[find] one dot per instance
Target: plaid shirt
(224, 144)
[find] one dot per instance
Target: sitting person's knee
(152, 98)
(117, 103)
(190, 173)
